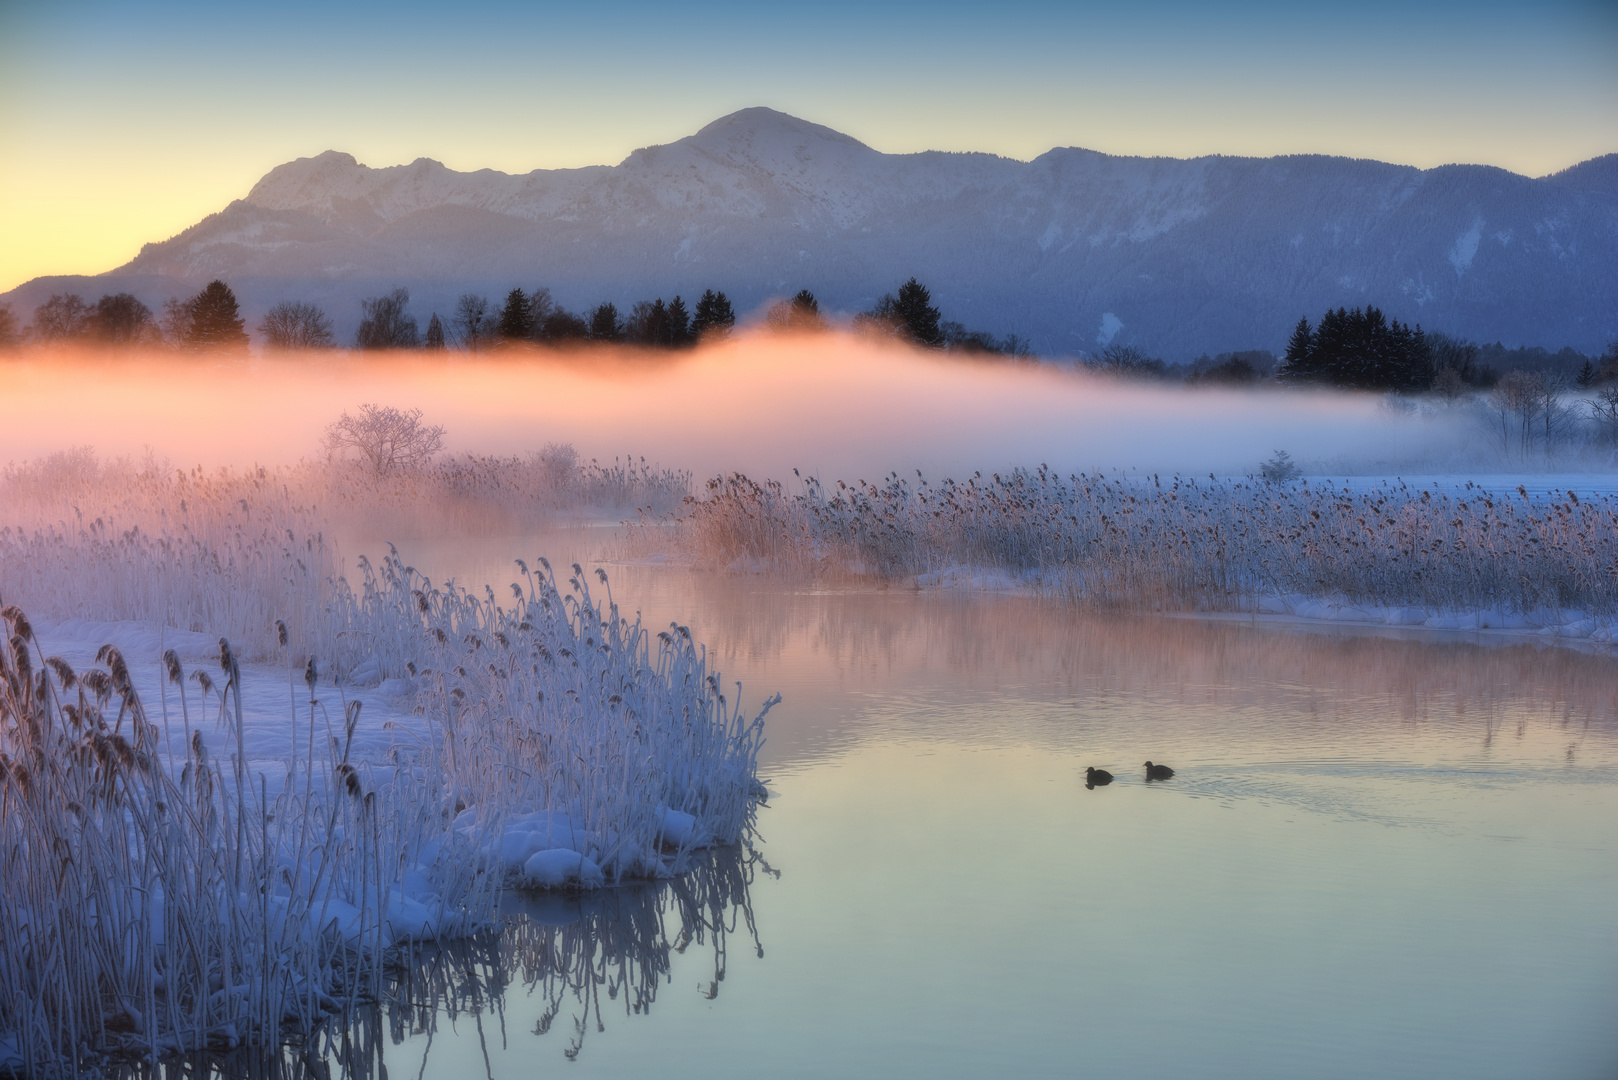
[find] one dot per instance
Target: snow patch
(1466, 247)
(1110, 325)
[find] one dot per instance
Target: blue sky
(122, 123)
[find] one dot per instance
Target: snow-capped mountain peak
(1072, 249)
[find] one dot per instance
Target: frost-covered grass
(162, 898)
(229, 552)
(1179, 543)
(159, 899)
(464, 494)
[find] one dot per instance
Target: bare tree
(1554, 418)
(387, 323)
(176, 322)
(1604, 411)
(1126, 362)
(1516, 399)
(472, 320)
(296, 325)
(390, 440)
(9, 334)
(64, 317)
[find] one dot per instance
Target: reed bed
(161, 901)
(230, 552)
(158, 899)
(1176, 543)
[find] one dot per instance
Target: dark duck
(1094, 777)
(1158, 772)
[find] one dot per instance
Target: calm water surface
(1382, 855)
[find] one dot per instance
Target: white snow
(1465, 249)
(1110, 325)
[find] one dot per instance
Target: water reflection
(1387, 851)
(557, 965)
(1313, 688)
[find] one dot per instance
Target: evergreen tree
(1300, 344)
(713, 317)
(216, 321)
(802, 312)
(604, 325)
(657, 324)
(918, 319)
(679, 324)
(1360, 349)
(435, 333)
(516, 321)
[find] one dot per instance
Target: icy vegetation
(160, 899)
(230, 552)
(1449, 557)
(164, 896)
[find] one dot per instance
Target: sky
(125, 123)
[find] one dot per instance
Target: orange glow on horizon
(834, 404)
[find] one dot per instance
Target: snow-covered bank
(240, 862)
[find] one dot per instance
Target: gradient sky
(125, 123)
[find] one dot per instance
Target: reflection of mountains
(828, 652)
(570, 960)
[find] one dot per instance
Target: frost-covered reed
(1179, 542)
(230, 552)
(159, 900)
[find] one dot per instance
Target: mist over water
(838, 406)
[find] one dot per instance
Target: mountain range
(1073, 250)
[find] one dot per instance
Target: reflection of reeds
(555, 956)
(1179, 543)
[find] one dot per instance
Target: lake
(1383, 853)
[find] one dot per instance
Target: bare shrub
(390, 440)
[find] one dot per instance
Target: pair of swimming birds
(1094, 777)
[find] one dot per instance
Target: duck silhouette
(1158, 772)
(1094, 778)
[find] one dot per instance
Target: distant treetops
(210, 321)
(1359, 349)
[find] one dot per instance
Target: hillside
(1180, 256)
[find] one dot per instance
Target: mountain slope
(1184, 256)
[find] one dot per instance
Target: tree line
(212, 321)
(1359, 348)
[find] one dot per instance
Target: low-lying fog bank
(838, 406)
